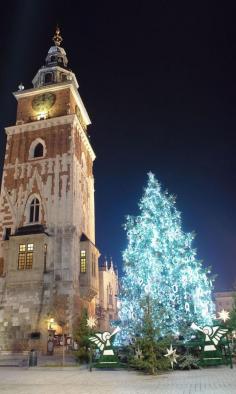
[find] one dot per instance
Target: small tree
(58, 311)
(232, 321)
(149, 351)
(81, 336)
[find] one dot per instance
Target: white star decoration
(91, 322)
(171, 354)
(138, 353)
(223, 315)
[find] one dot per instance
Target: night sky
(158, 80)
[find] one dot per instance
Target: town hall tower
(48, 257)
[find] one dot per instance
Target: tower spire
(57, 38)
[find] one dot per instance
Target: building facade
(224, 300)
(48, 258)
(108, 291)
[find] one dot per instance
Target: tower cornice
(54, 88)
(51, 122)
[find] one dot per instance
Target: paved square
(73, 380)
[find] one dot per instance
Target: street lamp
(51, 322)
(50, 345)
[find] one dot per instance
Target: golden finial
(57, 38)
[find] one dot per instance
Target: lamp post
(50, 345)
(51, 322)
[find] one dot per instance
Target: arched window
(34, 211)
(48, 78)
(38, 150)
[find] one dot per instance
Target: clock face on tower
(43, 102)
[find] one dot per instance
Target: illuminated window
(21, 261)
(22, 248)
(82, 261)
(34, 211)
(29, 261)
(25, 256)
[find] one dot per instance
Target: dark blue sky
(159, 82)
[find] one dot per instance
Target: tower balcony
(40, 116)
(88, 277)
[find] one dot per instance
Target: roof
(84, 238)
(32, 229)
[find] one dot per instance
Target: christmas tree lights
(161, 264)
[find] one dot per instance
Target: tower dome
(56, 57)
(55, 69)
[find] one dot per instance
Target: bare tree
(59, 313)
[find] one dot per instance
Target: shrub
(188, 361)
(82, 355)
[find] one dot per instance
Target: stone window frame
(33, 146)
(28, 207)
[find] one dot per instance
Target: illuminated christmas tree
(161, 264)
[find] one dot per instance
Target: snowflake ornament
(138, 354)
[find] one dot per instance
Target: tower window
(1, 266)
(34, 211)
(25, 256)
(7, 234)
(48, 78)
(37, 147)
(83, 261)
(93, 265)
(110, 299)
(38, 150)
(45, 258)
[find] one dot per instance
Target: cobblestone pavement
(73, 380)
